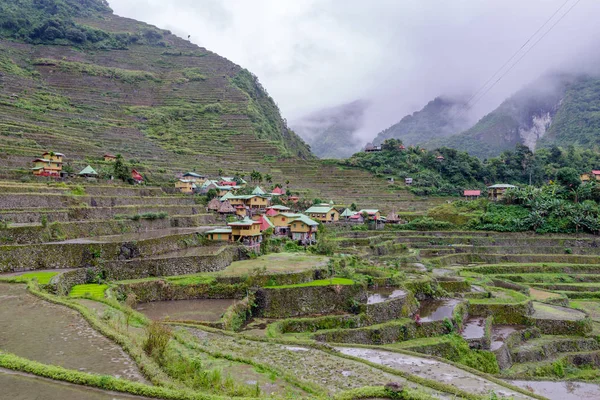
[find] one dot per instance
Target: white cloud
(399, 54)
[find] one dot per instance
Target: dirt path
(434, 370)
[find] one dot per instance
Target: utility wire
(515, 53)
(468, 107)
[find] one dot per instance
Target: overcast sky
(398, 54)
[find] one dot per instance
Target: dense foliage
(53, 22)
(458, 170)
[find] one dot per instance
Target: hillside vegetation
(440, 118)
(458, 170)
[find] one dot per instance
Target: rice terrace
(165, 234)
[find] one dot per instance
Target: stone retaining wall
(308, 300)
(52, 200)
(503, 313)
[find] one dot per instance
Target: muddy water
(436, 310)
(561, 390)
(25, 387)
(381, 295)
(53, 334)
(434, 370)
(209, 310)
(474, 328)
(501, 332)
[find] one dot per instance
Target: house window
(282, 219)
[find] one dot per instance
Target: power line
(515, 53)
(522, 56)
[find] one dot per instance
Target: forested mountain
(556, 109)
(441, 117)
(331, 131)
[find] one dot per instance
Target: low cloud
(398, 55)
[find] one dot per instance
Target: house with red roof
(136, 176)
(277, 191)
(472, 194)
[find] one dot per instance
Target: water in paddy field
(561, 390)
(436, 309)
(501, 332)
(24, 387)
(384, 294)
(52, 334)
(474, 328)
(209, 310)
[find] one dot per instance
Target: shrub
(157, 340)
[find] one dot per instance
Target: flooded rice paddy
(436, 309)
(209, 310)
(561, 390)
(474, 328)
(501, 332)
(381, 295)
(434, 370)
(16, 386)
(53, 334)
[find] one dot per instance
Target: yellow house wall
(325, 217)
(258, 202)
(280, 221)
(299, 227)
(245, 231)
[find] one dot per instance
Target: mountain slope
(331, 132)
(441, 117)
(555, 109)
(77, 79)
(80, 80)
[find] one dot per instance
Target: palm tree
(268, 178)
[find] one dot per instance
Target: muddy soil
(53, 334)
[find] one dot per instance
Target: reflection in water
(209, 310)
(474, 328)
(436, 310)
(381, 295)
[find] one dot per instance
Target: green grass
(92, 290)
(320, 282)
(43, 278)
(501, 296)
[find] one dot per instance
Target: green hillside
(441, 117)
(77, 79)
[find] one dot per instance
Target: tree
(120, 170)
(353, 207)
(211, 194)
(268, 178)
(220, 171)
(568, 177)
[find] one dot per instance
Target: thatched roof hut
(226, 208)
(214, 204)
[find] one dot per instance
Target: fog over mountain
(316, 54)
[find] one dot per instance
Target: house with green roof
(496, 192)
(88, 172)
(219, 234)
(323, 213)
(348, 213)
(303, 229)
(259, 191)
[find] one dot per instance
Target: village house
(347, 213)
(392, 218)
(472, 194)
(194, 177)
(210, 184)
(232, 180)
(303, 229)
(369, 148)
(254, 202)
(219, 234)
(185, 186)
(588, 176)
(496, 192)
(408, 181)
(110, 158)
(281, 222)
(356, 218)
(226, 208)
(323, 213)
(293, 199)
(50, 164)
(265, 222)
(214, 204)
(136, 176)
(241, 211)
(277, 191)
(373, 214)
(88, 172)
(259, 191)
(246, 231)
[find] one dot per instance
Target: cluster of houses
(50, 164)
